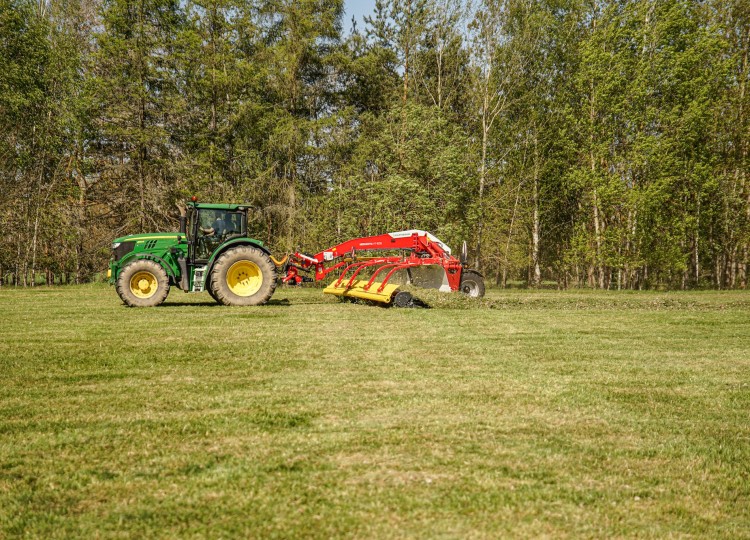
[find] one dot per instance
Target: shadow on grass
(281, 302)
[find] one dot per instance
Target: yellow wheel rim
(244, 278)
(143, 284)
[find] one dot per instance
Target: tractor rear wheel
(472, 284)
(243, 276)
(143, 283)
(211, 292)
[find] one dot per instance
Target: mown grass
(577, 414)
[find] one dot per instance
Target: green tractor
(212, 253)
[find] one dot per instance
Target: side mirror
(464, 254)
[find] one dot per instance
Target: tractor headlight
(115, 245)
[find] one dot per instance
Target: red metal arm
(424, 249)
(418, 242)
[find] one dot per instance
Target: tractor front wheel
(472, 284)
(243, 276)
(143, 283)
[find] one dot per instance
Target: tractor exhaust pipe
(183, 219)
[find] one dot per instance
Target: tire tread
(217, 278)
(123, 289)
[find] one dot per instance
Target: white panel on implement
(431, 237)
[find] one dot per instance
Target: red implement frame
(424, 249)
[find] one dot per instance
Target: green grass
(528, 414)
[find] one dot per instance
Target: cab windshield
(215, 227)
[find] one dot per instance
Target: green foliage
(136, 93)
(601, 144)
(416, 179)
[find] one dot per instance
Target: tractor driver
(216, 229)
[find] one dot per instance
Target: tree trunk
(80, 226)
(595, 201)
(510, 235)
(34, 238)
(405, 93)
(537, 279)
(696, 251)
(292, 204)
(142, 188)
(598, 240)
(719, 271)
(480, 201)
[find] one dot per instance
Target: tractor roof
(228, 206)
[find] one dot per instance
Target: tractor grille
(123, 249)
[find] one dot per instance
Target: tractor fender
(135, 256)
(230, 244)
(480, 274)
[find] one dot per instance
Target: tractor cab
(211, 225)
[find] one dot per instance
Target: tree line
(599, 143)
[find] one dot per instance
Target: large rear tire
(243, 276)
(211, 292)
(143, 283)
(472, 284)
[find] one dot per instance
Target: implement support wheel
(403, 299)
(143, 283)
(243, 276)
(472, 284)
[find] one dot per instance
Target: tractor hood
(149, 236)
(145, 242)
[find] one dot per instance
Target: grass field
(557, 414)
